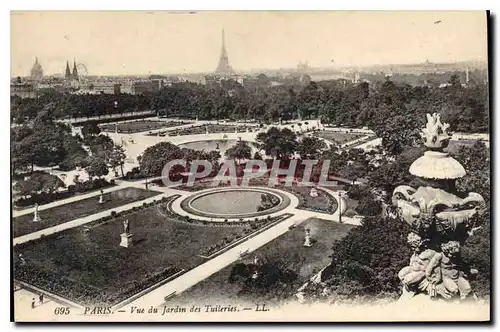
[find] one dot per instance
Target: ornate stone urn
(440, 218)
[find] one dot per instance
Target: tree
(90, 129)
(97, 167)
(476, 253)
(39, 182)
(240, 150)
(76, 155)
(368, 206)
(117, 158)
(278, 143)
(99, 144)
(271, 281)
(47, 144)
(393, 172)
(366, 261)
(154, 158)
(476, 161)
(311, 147)
(42, 143)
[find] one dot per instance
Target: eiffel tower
(224, 68)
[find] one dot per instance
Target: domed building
(36, 71)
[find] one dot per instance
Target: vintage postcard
(264, 166)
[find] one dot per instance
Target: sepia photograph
(250, 166)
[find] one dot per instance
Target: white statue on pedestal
(36, 217)
(126, 236)
(126, 228)
(307, 242)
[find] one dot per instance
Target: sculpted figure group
(437, 273)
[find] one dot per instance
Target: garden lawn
(96, 260)
(212, 128)
(63, 213)
(339, 137)
(141, 125)
(323, 202)
(306, 261)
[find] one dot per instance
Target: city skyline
(161, 42)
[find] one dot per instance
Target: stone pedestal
(126, 240)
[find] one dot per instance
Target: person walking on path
(33, 303)
(40, 298)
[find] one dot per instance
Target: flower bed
(83, 293)
(254, 228)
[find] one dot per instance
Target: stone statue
(452, 270)
(36, 216)
(307, 242)
(413, 275)
(126, 228)
(101, 198)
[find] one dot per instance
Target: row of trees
(45, 143)
(336, 102)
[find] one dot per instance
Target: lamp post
(340, 207)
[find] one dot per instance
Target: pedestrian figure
(33, 303)
(40, 298)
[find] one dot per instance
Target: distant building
(67, 75)
(117, 88)
(74, 75)
(140, 87)
(224, 68)
(36, 71)
(71, 78)
(22, 89)
(100, 88)
(260, 81)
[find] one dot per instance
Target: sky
(160, 42)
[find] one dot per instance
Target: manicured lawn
(212, 128)
(338, 137)
(140, 125)
(24, 224)
(289, 248)
(96, 262)
(324, 202)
